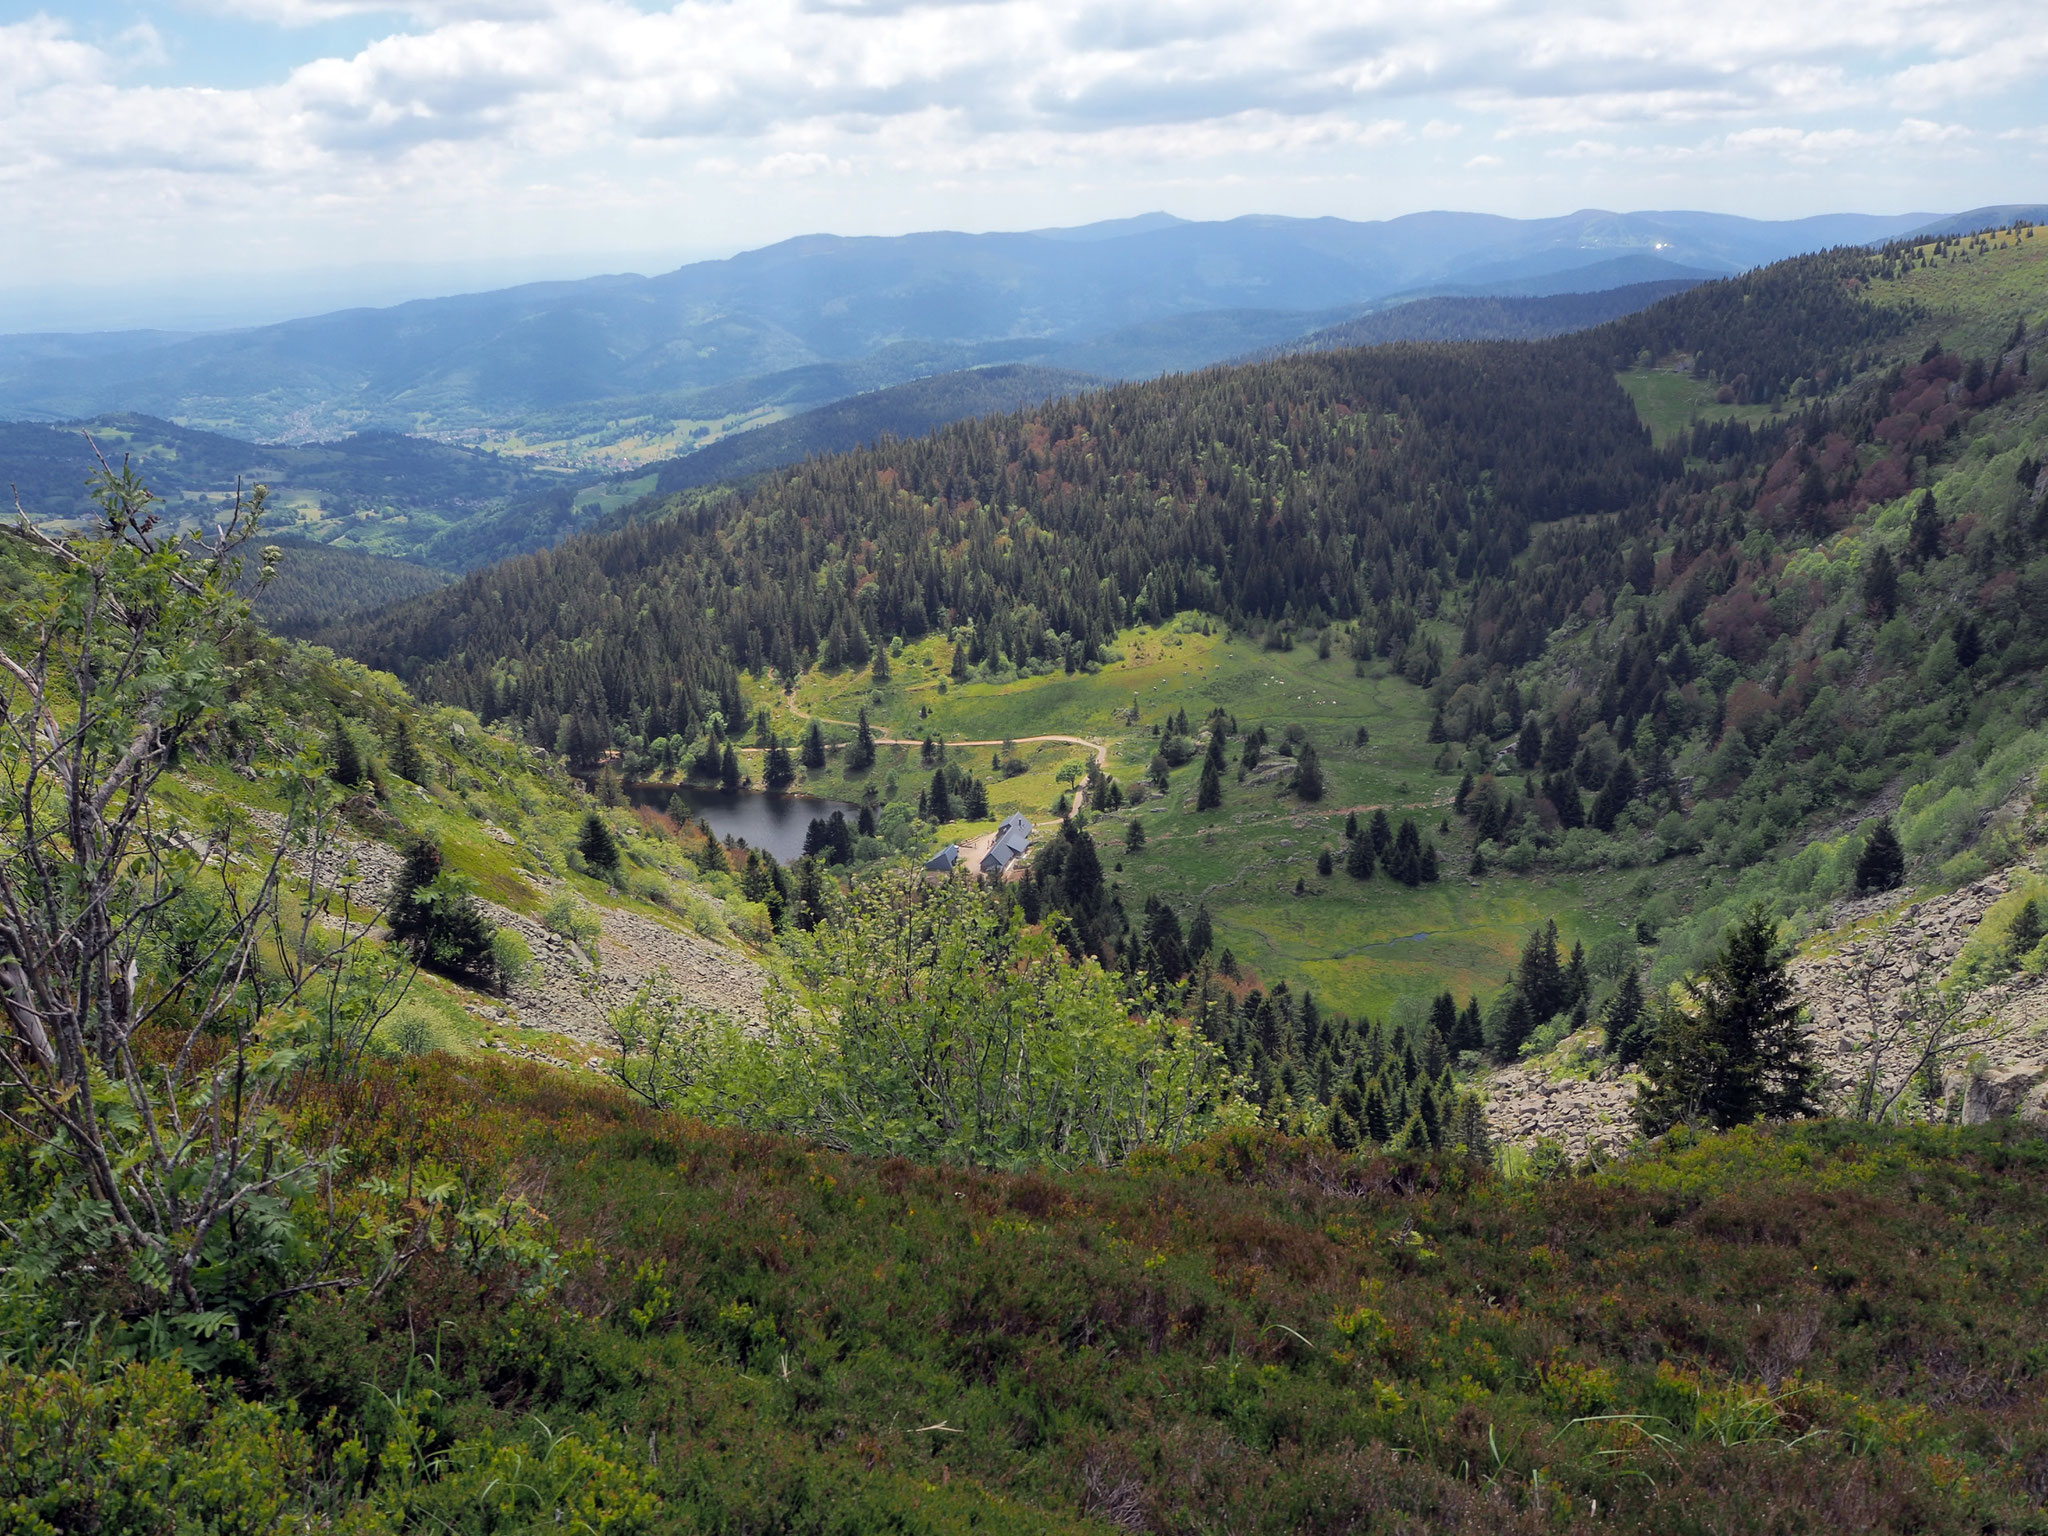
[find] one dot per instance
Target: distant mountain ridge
(899, 307)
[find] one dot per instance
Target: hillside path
(1099, 748)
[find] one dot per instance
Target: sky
(254, 153)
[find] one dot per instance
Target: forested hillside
(833, 1197)
(1291, 493)
(1585, 614)
(1506, 318)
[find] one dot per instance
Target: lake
(774, 823)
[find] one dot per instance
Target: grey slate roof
(1012, 837)
(944, 859)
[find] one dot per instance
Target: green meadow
(1362, 946)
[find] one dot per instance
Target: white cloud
(501, 105)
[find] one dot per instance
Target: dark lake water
(775, 823)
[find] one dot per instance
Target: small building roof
(1011, 839)
(944, 859)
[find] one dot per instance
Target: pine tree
(1443, 1015)
(1134, 836)
(1614, 795)
(1308, 773)
(1735, 1049)
(1882, 864)
(1881, 585)
(1468, 1128)
(344, 757)
(407, 761)
(1209, 793)
(778, 772)
(881, 667)
(1529, 745)
(1358, 859)
(1539, 977)
(2025, 932)
(1471, 1035)
(433, 917)
(814, 748)
(1382, 835)
(729, 771)
(861, 755)
(1404, 862)
(939, 799)
(1323, 862)
(1512, 1026)
(1375, 1126)
(1201, 934)
(1578, 980)
(1923, 541)
(1627, 1020)
(595, 842)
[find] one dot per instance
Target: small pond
(774, 823)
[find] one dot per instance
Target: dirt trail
(1099, 748)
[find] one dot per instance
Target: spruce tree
(1511, 1026)
(729, 771)
(595, 842)
(1735, 1049)
(881, 667)
(1382, 834)
(1539, 977)
(1308, 773)
(1882, 864)
(1881, 585)
(1201, 934)
(861, 755)
(1209, 793)
(814, 748)
(778, 772)
(1471, 1035)
(1404, 862)
(1923, 541)
(433, 917)
(1627, 1020)
(407, 761)
(939, 799)
(1614, 795)
(2025, 932)
(344, 757)
(1134, 837)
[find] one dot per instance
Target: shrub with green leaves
(932, 1023)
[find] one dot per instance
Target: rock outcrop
(568, 993)
(1869, 984)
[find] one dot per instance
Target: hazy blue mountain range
(1121, 299)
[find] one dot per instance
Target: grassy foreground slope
(1795, 1329)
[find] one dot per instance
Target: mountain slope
(377, 492)
(485, 359)
(1485, 525)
